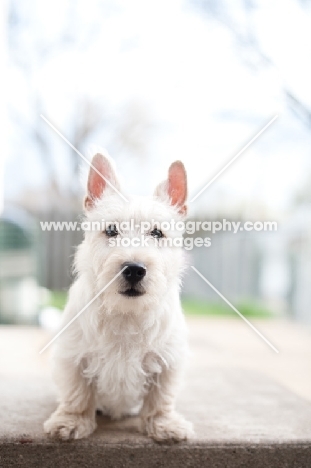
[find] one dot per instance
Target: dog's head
(136, 238)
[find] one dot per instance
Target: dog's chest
(121, 365)
(122, 369)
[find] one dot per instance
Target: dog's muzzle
(133, 274)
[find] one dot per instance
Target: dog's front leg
(159, 418)
(75, 416)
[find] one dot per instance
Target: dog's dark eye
(156, 233)
(111, 230)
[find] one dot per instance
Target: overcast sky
(207, 96)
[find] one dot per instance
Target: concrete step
(242, 418)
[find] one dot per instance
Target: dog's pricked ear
(174, 189)
(101, 176)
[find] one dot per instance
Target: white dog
(125, 352)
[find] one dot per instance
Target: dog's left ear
(102, 177)
(174, 189)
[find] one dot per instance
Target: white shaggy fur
(123, 355)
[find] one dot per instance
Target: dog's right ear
(101, 178)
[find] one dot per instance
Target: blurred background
(153, 82)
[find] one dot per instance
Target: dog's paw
(67, 426)
(168, 428)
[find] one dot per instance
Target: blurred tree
(127, 130)
(243, 30)
(134, 131)
(30, 49)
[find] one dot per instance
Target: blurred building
(19, 290)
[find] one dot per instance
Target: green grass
(57, 299)
(193, 306)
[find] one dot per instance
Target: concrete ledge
(117, 456)
(242, 418)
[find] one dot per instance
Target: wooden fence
(232, 263)
(56, 250)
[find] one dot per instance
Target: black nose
(133, 272)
